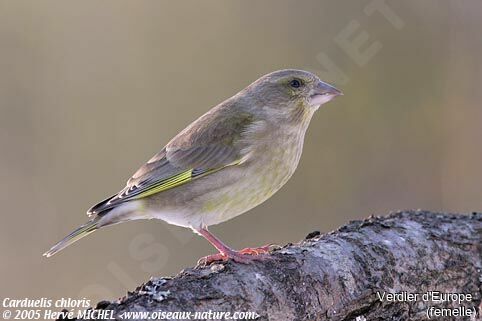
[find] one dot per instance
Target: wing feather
(206, 146)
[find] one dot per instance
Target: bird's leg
(225, 252)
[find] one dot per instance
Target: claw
(244, 256)
(206, 260)
(257, 250)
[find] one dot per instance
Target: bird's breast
(270, 163)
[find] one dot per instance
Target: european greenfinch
(231, 159)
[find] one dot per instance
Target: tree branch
(337, 276)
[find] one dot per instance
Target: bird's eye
(296, 83)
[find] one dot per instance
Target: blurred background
(89, 90)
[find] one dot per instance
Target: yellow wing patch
(180, 179)
(172, 182)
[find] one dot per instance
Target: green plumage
(226, 162)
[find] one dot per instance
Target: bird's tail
(76, 235)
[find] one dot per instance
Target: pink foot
(256, 250)
(206, 260)
(244, 256)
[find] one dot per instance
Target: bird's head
(291, 90)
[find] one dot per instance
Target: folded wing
(208, 145)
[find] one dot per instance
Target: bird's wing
(206, 146)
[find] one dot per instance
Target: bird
(228, 161)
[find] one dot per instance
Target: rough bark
(336, 276)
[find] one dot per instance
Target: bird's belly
(251, 186)
(230, 192)
(220, 196)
